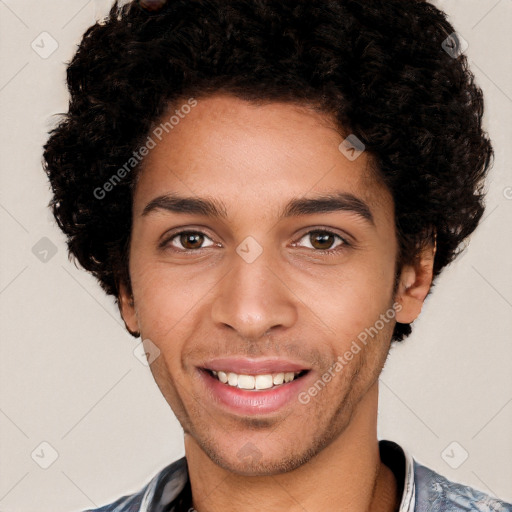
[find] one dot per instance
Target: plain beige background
(68, 374)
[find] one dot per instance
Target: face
(266, 281)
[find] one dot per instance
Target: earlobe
(414, 285)
(127, 309)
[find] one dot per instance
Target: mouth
(253, 387)
(257, 382)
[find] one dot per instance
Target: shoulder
(164, 486)
(435, 493)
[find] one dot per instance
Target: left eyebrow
(326, 204)
(296, 207)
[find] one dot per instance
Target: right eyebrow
(192, 205)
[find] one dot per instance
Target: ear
(414, 285)
(127, 310)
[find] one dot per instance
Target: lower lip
(253, 402)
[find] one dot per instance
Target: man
(269, 189)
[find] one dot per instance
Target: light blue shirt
(423, 489)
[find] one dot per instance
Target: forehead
(243, 152)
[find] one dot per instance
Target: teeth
(254, 381)
(278, 379)
(246, 381)
(232, 379)
(263, 382)
(289, 376)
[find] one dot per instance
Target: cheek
(167, 300)
(352, 298)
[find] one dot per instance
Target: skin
(292, 302)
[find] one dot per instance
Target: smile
(250, 387)
(255, 382)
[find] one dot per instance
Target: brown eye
(187, 241)
(191, 240)
(322, 240)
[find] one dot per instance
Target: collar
(402, 464)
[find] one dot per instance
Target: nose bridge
(252, 299)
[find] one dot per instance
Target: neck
(348, 472)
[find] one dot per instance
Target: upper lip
(248, 366)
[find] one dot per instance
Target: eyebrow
(340, 201)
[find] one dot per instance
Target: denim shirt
(421, 489)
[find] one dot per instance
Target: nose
(254, 299)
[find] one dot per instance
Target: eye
(322, 240)
(187, 240)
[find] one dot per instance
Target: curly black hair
(378, 67)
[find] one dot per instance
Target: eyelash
(327, 252)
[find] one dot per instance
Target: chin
(247, 459)
(266, 466)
